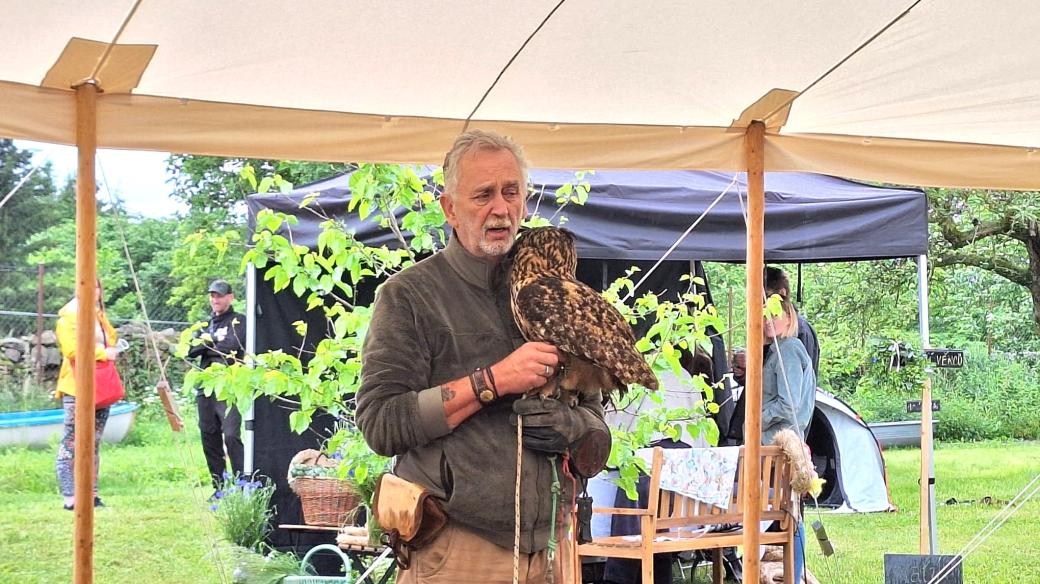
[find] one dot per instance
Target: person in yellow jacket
(105, 340)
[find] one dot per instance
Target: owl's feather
(579, 321)
(550, 305)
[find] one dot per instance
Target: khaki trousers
(459, 556)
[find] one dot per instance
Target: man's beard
(496, 248)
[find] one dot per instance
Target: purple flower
(213, 507)
(218, 495)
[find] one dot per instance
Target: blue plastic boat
(42, 427)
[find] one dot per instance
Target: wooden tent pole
(929, 540)
(86, 319)
(754, 144)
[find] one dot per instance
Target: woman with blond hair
(788, 380)
(788, 392)
(105, 343)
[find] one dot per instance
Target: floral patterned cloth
(704, 474)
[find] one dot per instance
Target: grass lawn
(964, 472)
(157, 526)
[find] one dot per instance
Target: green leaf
(711, 433)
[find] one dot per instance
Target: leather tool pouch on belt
(411, 517)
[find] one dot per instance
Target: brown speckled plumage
(550, 305)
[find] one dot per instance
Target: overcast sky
(137, 177)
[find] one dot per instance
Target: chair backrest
(675, 510)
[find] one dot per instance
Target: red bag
(108, 386)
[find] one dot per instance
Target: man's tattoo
(447, 394)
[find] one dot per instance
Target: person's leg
(799, 551)
(212, 440)
(66, 452)
(231, 427)
(100, 419)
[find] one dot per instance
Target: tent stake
(754, 143)
(86, 317)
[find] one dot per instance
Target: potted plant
(362, 467)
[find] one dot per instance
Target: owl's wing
(576, 319)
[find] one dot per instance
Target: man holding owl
(444, 364)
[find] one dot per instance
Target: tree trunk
(1033, 245)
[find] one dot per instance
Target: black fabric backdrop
(274, 443)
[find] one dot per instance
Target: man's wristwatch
(484, 393)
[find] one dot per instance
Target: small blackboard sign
(914, 406)
(915, 569)
(946, 358)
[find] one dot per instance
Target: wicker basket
(326, 501)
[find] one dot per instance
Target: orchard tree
(992, 230)
(148, 241)
(214, 188)
(33, 207)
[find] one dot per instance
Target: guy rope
(187, 459)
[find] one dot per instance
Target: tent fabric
(931, 93)
(637, 215)
(846, 453)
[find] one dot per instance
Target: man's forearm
(459, 401)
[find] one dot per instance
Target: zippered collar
(479, 272)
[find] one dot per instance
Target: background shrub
(994, 396)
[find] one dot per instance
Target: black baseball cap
(220, 287)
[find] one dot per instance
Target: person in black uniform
(223, 342)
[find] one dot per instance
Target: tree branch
(1013, 272)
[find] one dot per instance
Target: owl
(596, 344)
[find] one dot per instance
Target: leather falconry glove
(553, 427)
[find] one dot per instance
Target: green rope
(556, 489)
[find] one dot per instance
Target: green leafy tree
(35, 206)
(212, 237)
(148, 241)
(215, 187)
(199, 258)
(995, 231)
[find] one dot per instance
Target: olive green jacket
(432, 323)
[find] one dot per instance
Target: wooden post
(86, 319)
(39, 324)
(929, 541)
(754, 143)
(926, 467)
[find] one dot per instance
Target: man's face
(220, 302)
(488, 204)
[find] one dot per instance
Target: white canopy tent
(916, 92)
